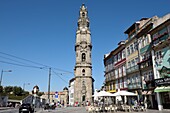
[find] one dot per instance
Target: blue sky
(43, 31)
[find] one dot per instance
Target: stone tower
(83, 86)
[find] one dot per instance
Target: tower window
(83, 14)
(83, 57)
(83, 83)
(83, 72)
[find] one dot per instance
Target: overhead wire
(13, 60)
(31, 66)
(58, 74)
(22, 59)
(21, 65)
(34, 62)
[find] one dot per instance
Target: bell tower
(83, 85)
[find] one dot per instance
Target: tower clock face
(83, 29)
(83, 45)
(83, 91)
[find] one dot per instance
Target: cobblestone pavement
(65, 110)
(72, 110)
(83, 110)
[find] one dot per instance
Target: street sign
(56, 94)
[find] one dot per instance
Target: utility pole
(2, 75)
(49, 85)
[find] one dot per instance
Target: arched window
(83, 83)
(83, 57)
(83, 98)
(83, 72)
(83, 14)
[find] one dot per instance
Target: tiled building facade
(146, 62)
(115, 72)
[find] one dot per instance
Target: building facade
(160, 35)
(147, 51)
(120, 66)
(62, 97)
(71, 92)
(110, 82)
(145, 61)
(83, 83)
(115, 69)
(132, 58)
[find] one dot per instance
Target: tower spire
(83, 83)
(83, 21)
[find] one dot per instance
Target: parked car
(26, 108)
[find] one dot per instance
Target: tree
(8, 89)
(40, 93)
(1, 89)
(25, 92)
(17, 91)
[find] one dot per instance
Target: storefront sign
(162, 81)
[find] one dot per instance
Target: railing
(145, 48)
(134, 86)
(160, 39)
(110, 78)
(132, 69)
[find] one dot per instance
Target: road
(72, 110)
(9, 110)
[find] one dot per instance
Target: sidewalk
(5, 108)
(155, 111)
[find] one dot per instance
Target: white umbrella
(124, 93)
(103, 94)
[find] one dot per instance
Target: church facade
(83, 81)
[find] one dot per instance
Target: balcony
(132, 69)
(146, 48)
(134, 86)
(145, 60)
(111, 78)
(161, 39)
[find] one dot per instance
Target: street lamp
(24, 85)
(2, 75)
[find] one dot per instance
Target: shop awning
(162, 89)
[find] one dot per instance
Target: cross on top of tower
(83, 7)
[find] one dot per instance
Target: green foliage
(17, 91)
(40, 93)
(1, 89)
(8, 89)
(12, 96)
(26, 93)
